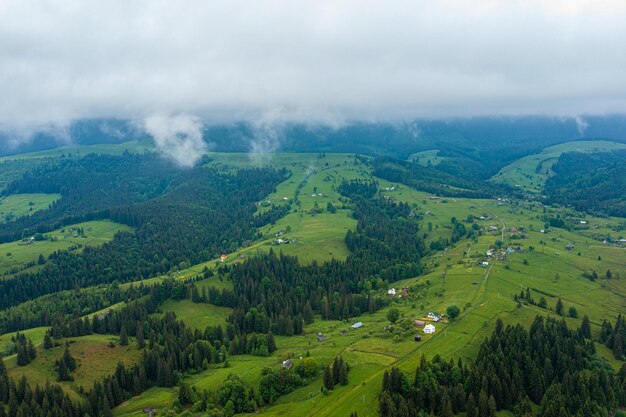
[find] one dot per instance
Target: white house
(485, 264)
(429, 329)
(392, 291)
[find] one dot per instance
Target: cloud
(581, 125)
(178, 137)
(321, 61)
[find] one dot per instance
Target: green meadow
(426, 158)
(135, 146)
(16, 255)
(96, 355)
(18, 205)
(531, 172)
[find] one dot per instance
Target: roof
(429, 328)
(357, 325)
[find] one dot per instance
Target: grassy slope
(427, 158)
(522, 172)
(79, 151)
(18, 205)
(484, 295)
(94, 357)
(21, 253)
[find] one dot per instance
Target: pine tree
(329, 382)
(185, 395)
(123, 337)
(585, 327)
(63, 374)
(47, 341)
(68, 359)
(559, 307)
(141, 341)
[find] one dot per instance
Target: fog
(325, 62)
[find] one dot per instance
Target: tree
(573, 312)
(47, 341)
(585, 327)
(559, 307)
(68, 359)
(453, 312)
(329, 382)
(141, 341)
(393, 315)
(63, 374)
(185, 394)
(123, 337)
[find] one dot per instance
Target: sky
(322, 61)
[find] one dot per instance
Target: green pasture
(15, 255)
(531, 172)
(18, 205)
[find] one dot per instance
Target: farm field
(18, 205)
(531, 172)
(16, 255)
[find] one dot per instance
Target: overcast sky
(317, 60)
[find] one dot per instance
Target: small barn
(287, 364)
(419, 323)
(429, 329)
(357, 325)
(418, 338)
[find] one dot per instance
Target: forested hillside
(590, 182)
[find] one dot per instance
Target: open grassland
(199, 315)
(96, 355)
(18, 205)
(531, 172)
(14, 256)
(313, 232)
(427, 158)
(135, 146)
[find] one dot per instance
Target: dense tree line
(614, 337)
(88, 186)
(206, 214)
(433, 180)
(48, 309)
(276, 293)
(590, 182)
(549, 365)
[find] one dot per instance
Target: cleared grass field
(531, 172)
(135, 146)
(15, 255)
(18, 205)
(94, 355)
(198, 316)
(426, 158)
